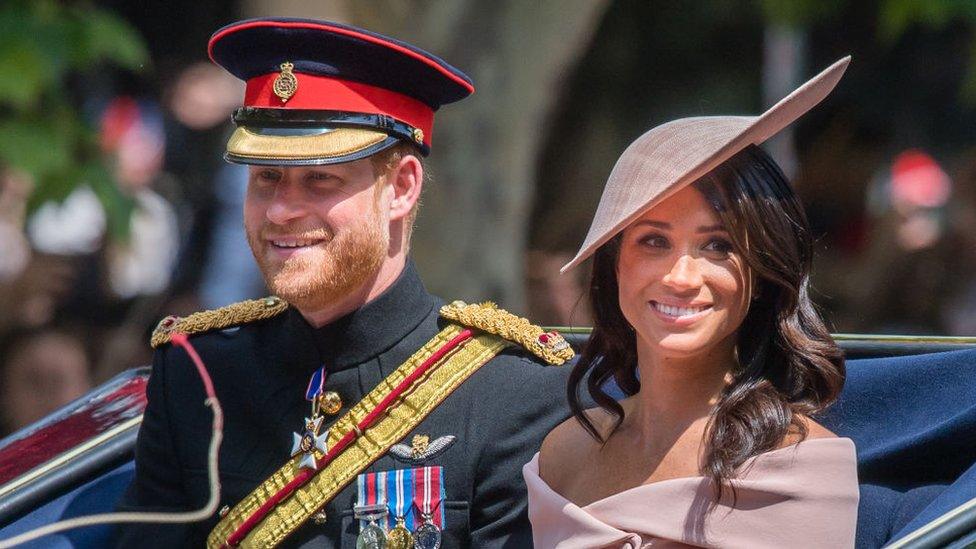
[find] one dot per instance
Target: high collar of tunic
(375, 327)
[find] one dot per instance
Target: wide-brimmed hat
(675, 154)
(320, 92)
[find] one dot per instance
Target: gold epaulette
(549, 346)
(218, 319)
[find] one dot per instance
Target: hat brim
(710, 142)
(304, 148)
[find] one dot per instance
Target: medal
(309, 441)
(371, 535)
(428, 536)
(428, 493)
(400, 537)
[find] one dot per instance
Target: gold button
(330, 402)
(319, 518)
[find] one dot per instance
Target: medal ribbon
(428, 493)
(372, 491)
(401, 486)
(316, 384)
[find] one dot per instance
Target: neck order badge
(309, 441)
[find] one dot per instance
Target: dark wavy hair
(788, 364)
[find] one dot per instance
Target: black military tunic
(499, 417)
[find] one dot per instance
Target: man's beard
(327, 273)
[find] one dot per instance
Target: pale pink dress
(803, 495)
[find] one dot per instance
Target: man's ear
(407, 179)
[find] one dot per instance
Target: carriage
(909, 405)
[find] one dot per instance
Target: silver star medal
(309, 441)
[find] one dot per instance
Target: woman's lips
(681, 315)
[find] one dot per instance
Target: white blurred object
(74, 227)
(143, 264)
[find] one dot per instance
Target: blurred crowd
(79, 300)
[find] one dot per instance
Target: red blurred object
(918, 180)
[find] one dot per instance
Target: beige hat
(675, 154)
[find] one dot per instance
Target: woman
(703, 319)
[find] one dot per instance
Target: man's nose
(286, 205)
(684, 274)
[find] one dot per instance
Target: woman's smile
(681, 315)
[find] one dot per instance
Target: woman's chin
(680, 346)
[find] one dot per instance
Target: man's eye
(320, 176)
(269, 175)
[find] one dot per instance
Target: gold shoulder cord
(405, 414)
(225, 317)
(549, 346)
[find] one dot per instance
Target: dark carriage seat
(913, 420)
(99, 495)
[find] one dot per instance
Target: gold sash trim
(401, 417)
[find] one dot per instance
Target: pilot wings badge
(421, 449)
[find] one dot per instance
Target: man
(357, 408)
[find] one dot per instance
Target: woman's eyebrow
(652, 223)
(718, 227)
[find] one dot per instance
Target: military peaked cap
(319, 92)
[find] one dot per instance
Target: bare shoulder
(814, 431)
(566, 446)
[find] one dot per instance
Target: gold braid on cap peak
(549, 346)
(218, 319)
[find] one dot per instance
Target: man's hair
(386, 160)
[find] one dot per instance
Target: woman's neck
(677, 391)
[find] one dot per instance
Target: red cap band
(333, 94)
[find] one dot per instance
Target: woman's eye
(654, 241)
(719, 245)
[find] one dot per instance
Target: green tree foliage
(42, 43)
(895, 18)
(898, 16)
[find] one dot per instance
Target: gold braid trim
(549, 346)
(400, 418)
(218, 319)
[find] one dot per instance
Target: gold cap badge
(285, 84)
(418, 136)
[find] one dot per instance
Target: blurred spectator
(903, 281)
(216, 264)
(230, 273)
(14, 249)
(41, 370)
(31, 284)
(119, 279)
